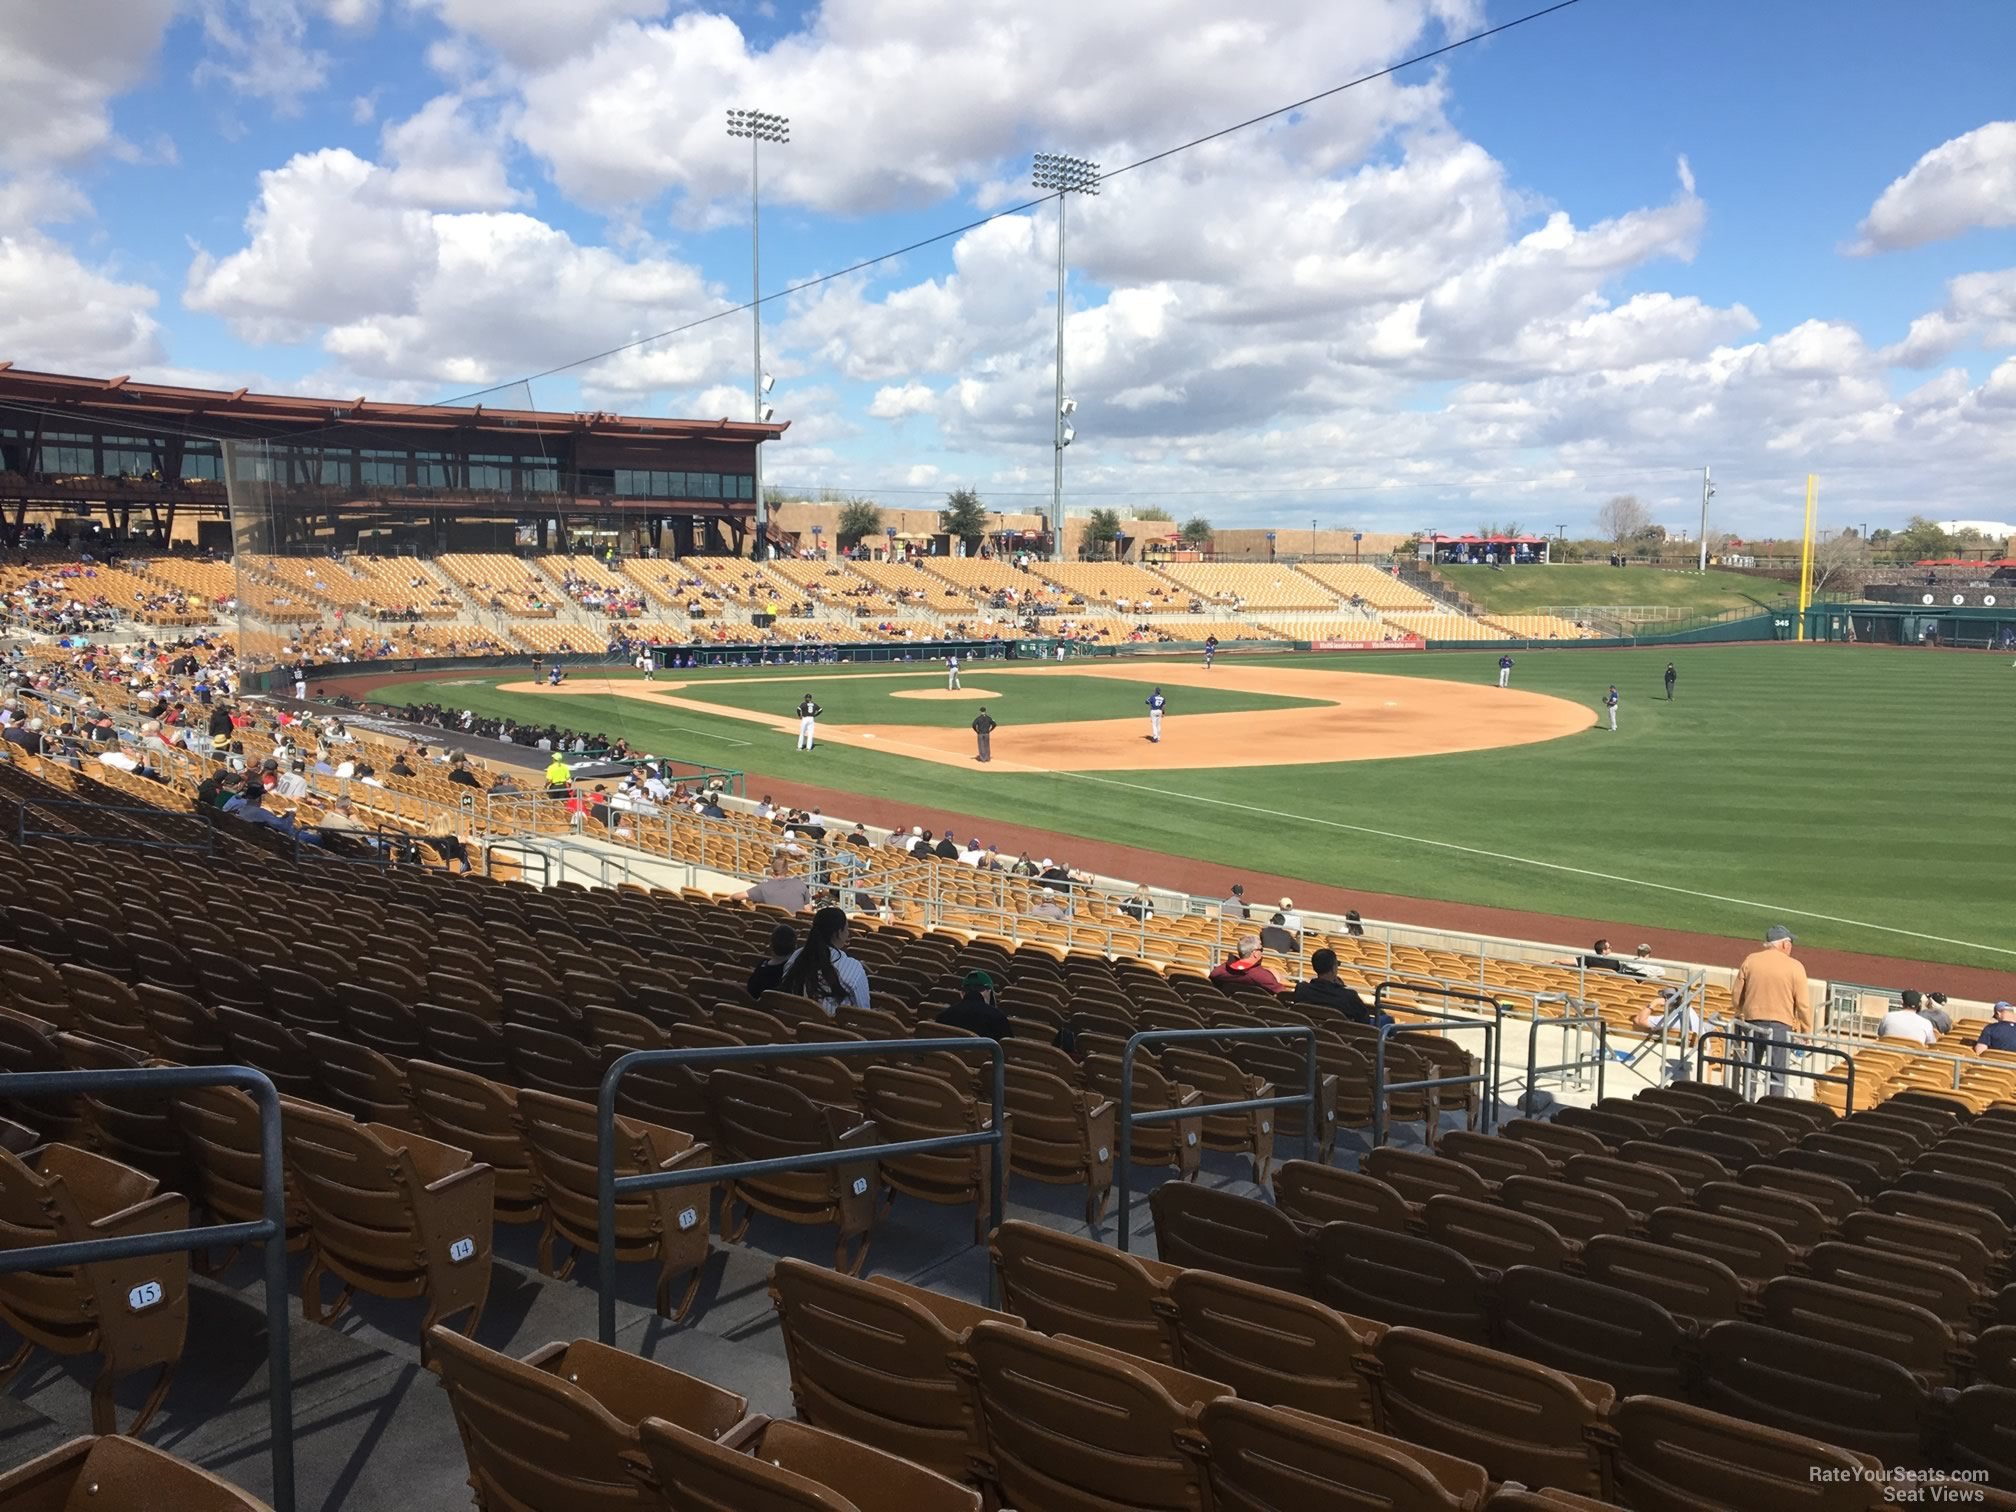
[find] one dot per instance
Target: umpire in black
(1671, 675)
(983, 730)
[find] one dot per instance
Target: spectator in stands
(558, 777)
(1907, 1021)
(1289, 920)
(292, 783)
(1246, 967)
(977, 1009)
(822, 970)
(1353, 925)
(1663, 1013)
(2000, 1032)
(459, 772)
(1935, 1011)
(250, 806)
(27, 735)
(1048, 905)
(1023, 867)
(342, 817)
(504, 784)
(1234, 907)
(447, 844)
(947, 849)
(1275, 936)
(780, 888)
(858, 836)
(770, 970)
(1772, 1000)
(1327, 989)
(214, 791)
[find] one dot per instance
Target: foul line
(1579, 871)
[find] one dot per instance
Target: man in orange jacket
(1772, 1001)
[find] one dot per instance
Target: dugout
(1963, 626)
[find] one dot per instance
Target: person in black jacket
(1327, 990)
(984, 727)
(978, 1011)
(770, 970)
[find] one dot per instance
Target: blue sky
(1486, 289)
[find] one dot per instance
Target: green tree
(1921, 539)
(1196, 533)
(1102, 529)
(964, 517)
(859, 518)
(1154, 512)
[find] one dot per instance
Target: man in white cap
(1772, 1001)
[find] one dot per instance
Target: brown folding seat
(1261, 1460)
(302, 1002)
(114, 1473)
(390, 1213)
(107, 1007)
(1277, 1349)
(1220, 1080)
(475, 1114)
(1655, 1113)
(1065, 1424)
(1915, 1100)
(1577, 1213)
(544, 1061)
(1495, 1158)
(1638, 1186)
(1732, 1151)
(1688, 1285)
(1889, 1164)
(1690, 1098)
(1768, 1137)
(1833, 1197)
(1948, 1158)
(228, 982)
(907, 1105)
(1316, 1194)
(1798, 1222)
(1755, 1253)
(1284, 1063)
(1559, 1140)
(29, 1044)
(451, 1037)
(1901, 1126)
(1869, 1321)
(1207, 1228)
(551, 1432)
(1924, 1240)
(668, 1225)
(359, 1081)
(876, 1361)
(1493, 1237)
(617, 1030)
(1591, 1328)
(1061, 1284)
(836, 1083)
(1417, 1175)
(1521, 1421)
(220, 1128)
(380, 1021)
(161, 962)
(1398, 1279)
(133, 1313)
(134, 1128)
(757, 1118)
(1608, 1125)
(752, 1026)
(1991, 1195)
(770, 1465)
(1675, 1458)
(35, 986)
(1978, 1444)
(1841, 1396)
(1690, 1168)
(261, 1041)
(455, 989)
(1177, 1143)
(1937, 1287)
(714, 990)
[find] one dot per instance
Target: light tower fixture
(1064, 177)
(759, 126)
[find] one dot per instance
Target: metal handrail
(1494, 1045)
(271, 1230)
(609, 1185)
(1311, 1138)
(1703, 1060)
(1581, 1063)
(1382, 1089)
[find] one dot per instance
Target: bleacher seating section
(1374, 585)
(1252, 585)
(1539, 626)
(1112, 582)
(1444, 624)
(914, 589)
(493, 580)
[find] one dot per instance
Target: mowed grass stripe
(1859, 784)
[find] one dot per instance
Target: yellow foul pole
(1806, 554)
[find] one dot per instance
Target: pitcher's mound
(946, 694)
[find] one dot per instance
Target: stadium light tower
(1066, 176)
(1707, 493)
(760, 127)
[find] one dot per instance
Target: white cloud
(56, 313)
(1959, 185)
(1978, 306)
(40, 199)
(445, 161)
(532, 33)
(351, 15)
(893, 402)
(260, 48)
(61, 66)
(923, 475)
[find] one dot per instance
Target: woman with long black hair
(822, 970)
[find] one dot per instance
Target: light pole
(760, 127)
(1356, 537)
(1707, 493)
(1312, 539)
(1066, 176)
(1270, 545)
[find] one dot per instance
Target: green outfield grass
(1526, 590)
(1861, 796)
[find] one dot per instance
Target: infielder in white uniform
(1156, 704)
(951, 673)
(647, 666)
(808, 722)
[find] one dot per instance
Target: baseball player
(1156, 704)
(1505, 671)
(1210, 650)
(983, 732)
(808, 722)
(1671, 675)
(1610, 703)
(951, 673)
(647, 666)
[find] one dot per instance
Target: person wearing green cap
(978, 1011)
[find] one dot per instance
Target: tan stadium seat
(1282, 1063)
(1277, 1349)
(1897, 1330)
(1838, 1395)
(1559, 1140)
(390, 1213)
(543, 1061)
(475, 1114)
(1978, 1440)
(1494, 1158)
(1207, 1228)
(874, 1361)
(1258, 1459)
(1493, 1237)
(1675, 1458)
(1063, 1134)
(1638, 1186)
(1576, 1213)
(1417, 1175)
(758, 1119)
(1313, 1193)
(1940, 1289)
(134, 1128)
(359, 1081)
(1519, 1420)
(1067, 1425)
(1935, 1243)
(114, 1473)
(548, 1433)
(61, 1195)
(220, 1126)
(1400, 1280)
(1754, 1252)
(1691, 1286)
(1588, 1328)
(1177, 1143)
(905, 1105)
(1062, 1284)
(1221, 1081)
(668, 1225)
(776, 1466)
(28, 1043)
